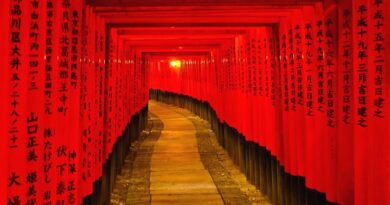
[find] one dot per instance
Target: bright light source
(175, 63)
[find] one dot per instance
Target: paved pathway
(177, 173)
(178, 161)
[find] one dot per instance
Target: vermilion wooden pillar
(345, 139)
(4, 102)
(386, 142)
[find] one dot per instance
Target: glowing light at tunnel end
(175, 64)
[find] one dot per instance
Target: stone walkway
(177, 161)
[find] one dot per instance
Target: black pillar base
(103, 187)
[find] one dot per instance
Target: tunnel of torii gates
(305, 81)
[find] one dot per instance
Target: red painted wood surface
(309, 81)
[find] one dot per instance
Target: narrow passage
(177, 161)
